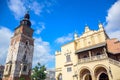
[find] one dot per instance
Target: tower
(19, 59)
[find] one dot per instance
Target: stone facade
(19, 59)
(1, 71)
(92, 56)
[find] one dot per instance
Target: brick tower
(19, 59)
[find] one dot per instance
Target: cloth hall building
(91, 56)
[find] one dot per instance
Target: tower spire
(27, 16)
(26, 20)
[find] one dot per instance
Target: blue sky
(55, 22)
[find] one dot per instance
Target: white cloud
(115, 34)
(113, 20)
(36, 7)
(5, 35)
(64, 39)
(19, 7)
(42, 52)
(40, 28)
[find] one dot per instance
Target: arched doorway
(87, 77)
(85, 74)
(101, 73)
(103, 76)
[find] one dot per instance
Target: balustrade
(93, 58)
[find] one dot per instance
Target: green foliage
(21, 78)
(39, 72)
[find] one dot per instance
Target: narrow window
(68, 59)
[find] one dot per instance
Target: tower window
(68, 59)
(24, 58)
(27, 43)
(24, 68)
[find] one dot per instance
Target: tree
(38, 72)
(21, 78)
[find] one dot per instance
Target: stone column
(93, 76)
(104, 50)
(90, 54)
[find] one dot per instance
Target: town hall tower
(19, 59)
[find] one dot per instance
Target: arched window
(60, 77)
